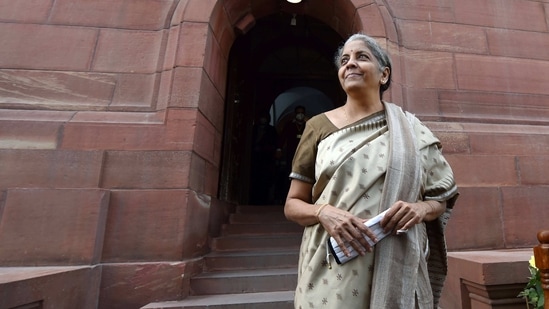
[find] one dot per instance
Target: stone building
(125, 130)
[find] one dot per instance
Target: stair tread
(259, 224)
(226, 299)
(260, 209)
(263, 222)
(261, 229)
(265, 235)
(263, 252)
(256, 260)
(247, 273)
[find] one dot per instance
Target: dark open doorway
(283, 60)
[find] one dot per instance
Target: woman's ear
(385, 74)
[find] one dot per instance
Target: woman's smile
(353, 75)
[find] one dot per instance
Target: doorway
(283, 62)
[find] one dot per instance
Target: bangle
(319, 210)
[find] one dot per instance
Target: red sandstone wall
(110, 138)
(111, 123)
(478, 69)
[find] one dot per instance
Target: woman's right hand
(340, 224)
(346, 228)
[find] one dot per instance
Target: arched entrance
(279, 64)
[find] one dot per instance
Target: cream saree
(364, 168)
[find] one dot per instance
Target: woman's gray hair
(378, 52)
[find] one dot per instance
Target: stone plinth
(49, 287)
(486, 279)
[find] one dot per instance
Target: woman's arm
(342, 225)
(298, 207)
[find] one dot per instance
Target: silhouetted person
(288, 141)
(264, 141)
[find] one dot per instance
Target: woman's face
(360, 68)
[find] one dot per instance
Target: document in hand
(373, 224)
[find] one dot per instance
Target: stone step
(251, 260)
(244, 281)
(252, 265)
(256, 242)
(260, 209)
(261, 228)
(266, 300)
(258, 217)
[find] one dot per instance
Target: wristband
(319, 210)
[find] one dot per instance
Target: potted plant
(533, 293)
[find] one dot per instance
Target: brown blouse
(316, 129)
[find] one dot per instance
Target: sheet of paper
(374, 225)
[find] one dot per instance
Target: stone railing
(541, 254)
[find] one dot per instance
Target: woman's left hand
(403, 215)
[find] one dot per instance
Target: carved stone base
(486, 279)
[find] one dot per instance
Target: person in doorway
(353, 163)
(264, 143)
(289, 139)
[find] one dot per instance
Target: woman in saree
(353, 163)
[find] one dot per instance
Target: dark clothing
(290, 137)
(288, 141)
(263, 164)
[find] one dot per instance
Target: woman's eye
(344, 61)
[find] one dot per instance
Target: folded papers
(372, 224)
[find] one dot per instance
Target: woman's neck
(360, 108)
(353, 112)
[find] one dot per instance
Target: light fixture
(294, 1)
(293, 22)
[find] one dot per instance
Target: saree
(364, 168)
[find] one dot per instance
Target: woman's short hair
(381, 55)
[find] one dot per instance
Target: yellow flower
(533, 262)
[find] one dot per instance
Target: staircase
(253, 264)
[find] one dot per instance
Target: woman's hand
(346, 228)
(403, 216)
(340, 224)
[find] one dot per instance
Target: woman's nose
(351, 63)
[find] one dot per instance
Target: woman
(352, 163)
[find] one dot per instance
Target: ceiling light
(294, 1)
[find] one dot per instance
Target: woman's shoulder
(318, 118)
(424, 134)
(322, 125)
(318, 121)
